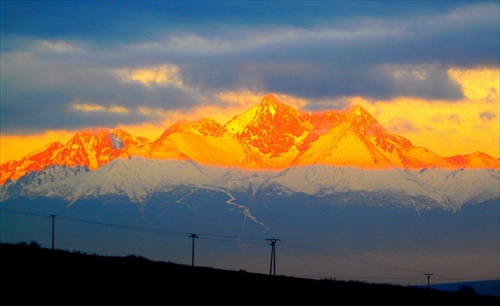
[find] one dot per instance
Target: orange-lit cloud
(447, 128)
(478, 84)
(15, 147)
(92, 107)
(162, 75)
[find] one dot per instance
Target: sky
(426, 70)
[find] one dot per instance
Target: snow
(236, 125)
(139, 178)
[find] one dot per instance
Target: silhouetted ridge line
(130, 277)
(239, 240)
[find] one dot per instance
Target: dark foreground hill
(30, 273)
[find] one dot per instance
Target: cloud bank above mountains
(427, 70)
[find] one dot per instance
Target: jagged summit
(272, 129)
(204, 126)
(270, 100)
(360, 116)
(270, 135)
(270, 111)
(358, 110)
(271, 103)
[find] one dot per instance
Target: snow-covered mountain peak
(270, 135)
(270, 103)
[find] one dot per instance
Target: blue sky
(70, 65)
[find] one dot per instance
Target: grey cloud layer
(56, 53)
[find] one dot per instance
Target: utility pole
(192, 249)
(53, 216)
(273, 256)
(428, 280)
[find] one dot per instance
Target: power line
(350, 258)
(14, 212)
(235, 239)
(241, 240)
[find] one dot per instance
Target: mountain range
(270, 149)
(333, 182)
(271, 135)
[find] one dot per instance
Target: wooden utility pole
(272, 268)
(192, 249)
(428, 280)
(53, 216)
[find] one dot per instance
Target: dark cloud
(57, 52)
(126, 21)
(42, 93)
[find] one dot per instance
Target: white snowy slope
(135, 178)
(46, 183)
(139, 179)
(449, 188)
